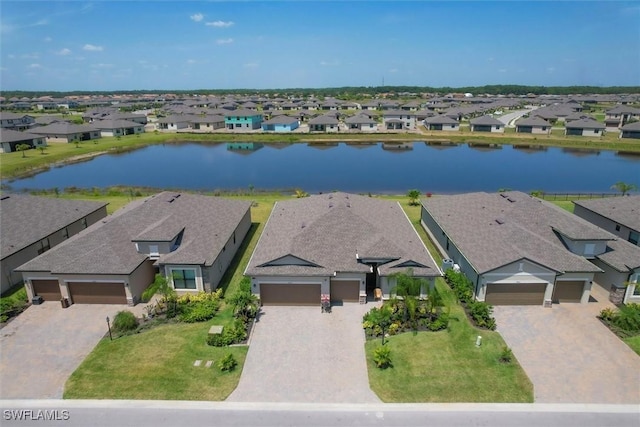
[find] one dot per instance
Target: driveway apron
(569, 355)
(42, 347)
(298, 354)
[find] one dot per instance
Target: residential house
(242, 120)
(535, 125)
(175, 122)
(190, 239)
(31, 225)
(10, 139)
(619, 216)
(398, 120)
(486, 124)
(208, 122)
(362, 123)
(132, 117)
(340, 245)
(15, 121)
(620, 115)
(325, 123)
(441, 122)
(118, 127)
(630, 130)
(67, 132)
(516, 249)
(281, 123)
(584, 127)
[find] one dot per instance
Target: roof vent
(303, 225)
(330, 205)
(503, 195)
(499, 221)
(4, 197)
(331, 196)
(510, 199)
(348, 205)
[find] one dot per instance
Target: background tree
(414, 197)
(23, 148)
(624, 187)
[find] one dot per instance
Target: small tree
(23, 148)
(414, 197)
(301, 193)
(159, 286)
(624, 187)
(42, 148)
(380, 317)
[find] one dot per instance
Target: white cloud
(11, 56)
(34, 66)
(92, 48)
(251, 65)
(197, 17)
(63, 52)
(220, 24)
(30, 55)
(502, 70)
(101, 65)
(48, 39)
(191, 61)
(333, 63)
(551, 69)
(393, 70)
(224, 41)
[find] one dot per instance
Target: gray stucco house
(517, 249)
(486, 124)
(10, 139)
(31, 225)
(191, 239)
(340, 245)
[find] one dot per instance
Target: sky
(188, 45)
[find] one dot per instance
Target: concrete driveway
(569, 355)
(298, 354)
(42, 347)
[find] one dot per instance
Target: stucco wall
(522, 271)
(602, 222)
(322, 280)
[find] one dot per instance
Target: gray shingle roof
(493, 230)
(486, 120)
(324, 120)
(631, 126)
(330, 229)
(26, 219)
(441, 119)
(107, 247)
(62, 128)
(281, 119)
(623, 210)
(622, 255)
(584, 124)
(533, 121)
(9, 135)
(360, 119)
(115, 124)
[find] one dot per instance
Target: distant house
(15, 121)
(620, 115)
(208, 122)
(242, 120)
(118, 127)
(441, 122)
(325, 123)
(132, 117)
(398, 120)
(621, 263)
(486, 124)
(370, 105)
(281, 123)
(190, 239)
(174, 122)
(362, 123)
(67, 132)
(534, 125)
(584, 127)
(630, 130)
(9, 139)
(31, 225)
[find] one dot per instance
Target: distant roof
(329, 231)
(281, 119)
(10, 135)
(623, 210)
(441, 119)
(584, 124)
(25, 219)
(114, 124)
(242, 112)
(496, 229)
(631, 126)
(533, 121)
(324, 120)
(360, 119)
(107, 247)
(62, 128)
(486, 120)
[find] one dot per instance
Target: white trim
(198, 278)
(94, 281)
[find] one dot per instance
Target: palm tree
(414, 196)
(624, 187)
(23, 148)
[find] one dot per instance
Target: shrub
(481, 314)
(460, 285)
(124, 321)
(506, 355)
(382, 357)
(606, 314)
(441, 322)
(394, 328)
(199, 311)
(218, 340)
(227, 363)
(628, 318)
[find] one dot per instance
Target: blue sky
(136, 45)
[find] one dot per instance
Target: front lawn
(446, 366)
(156, 364)
(634, 343)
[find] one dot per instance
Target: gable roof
(493, 230)
(584, 124)
(115, 124)
(25, 219)
(108, 247)
(281, 119)
(631, 126)
(623, 210)
(326, 119)
(360, 119)
(533, 121)
(441, 119)
(486, 120)
(62, 128)
(334, 231)
(10, 135)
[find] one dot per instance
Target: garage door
(515, 293)
(97, 293)
(568, 291)
(290, 294)
(49, 290)
(345, 290)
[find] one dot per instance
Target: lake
(358, 167)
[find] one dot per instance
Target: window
(634, 237)
(65, 233)
(544, 128)
(234, 237)
(617, 227)
(184, 279)
(589, 248)
(596, 131)
(153, 250)
(84, 222)
(636, 290)
(44, 246)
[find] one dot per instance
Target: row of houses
(516, 249)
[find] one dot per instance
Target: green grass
(446, 366)
(12, 302)
(634, 343)
(156, 364)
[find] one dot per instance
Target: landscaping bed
(625, 323)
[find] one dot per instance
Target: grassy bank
(14, 165)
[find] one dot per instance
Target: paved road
(172, 413)
(509, 118)
(298, 354)
(42, 347)
(569, 355)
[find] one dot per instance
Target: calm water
(353, 168)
